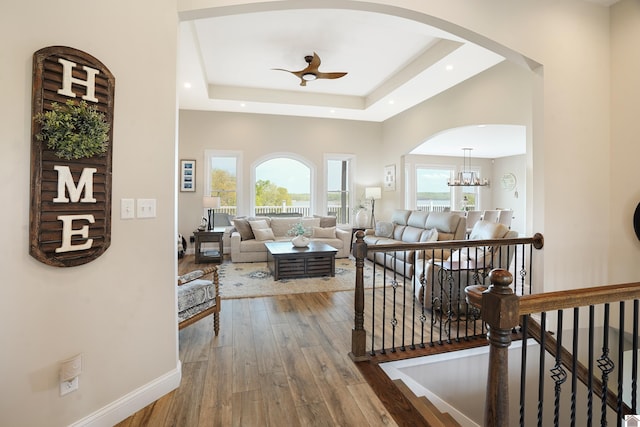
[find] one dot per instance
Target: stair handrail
(501, 309)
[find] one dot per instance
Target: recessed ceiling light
(332, 111)
(187, 85)
(391, 102)
(242, 104)
(449, 67)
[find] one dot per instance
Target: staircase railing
(415, 292)
(594, 352)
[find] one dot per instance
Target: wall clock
(509, 181)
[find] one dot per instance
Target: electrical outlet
(67, 387)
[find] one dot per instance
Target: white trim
(134, 401)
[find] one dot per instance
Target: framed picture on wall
(187, 175)
(390, 178)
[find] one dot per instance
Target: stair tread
(427, 409)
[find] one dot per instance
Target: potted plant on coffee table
(299, 232)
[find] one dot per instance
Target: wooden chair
(198, 297)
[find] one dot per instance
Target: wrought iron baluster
(404, 300)
(523, 364)
(384, 306)
(605, 364)
(634, 363)
(373, 310)
(574, 365)
(543, 340)
(590, 377)
(413, 300)
(619, 403)
(558, 373)
(394, 319)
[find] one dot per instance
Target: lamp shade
(373, 193)
(211, 202)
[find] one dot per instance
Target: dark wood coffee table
(287, 261)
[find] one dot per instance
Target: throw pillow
(263, 234)
(429, 236)
(244, 228)
(324, 233)
(384, 229)
(328, 221)
(260, 224)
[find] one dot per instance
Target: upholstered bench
(199, 297)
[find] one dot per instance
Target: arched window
(282, 185)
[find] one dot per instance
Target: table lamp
(211, 203)
(373, 193)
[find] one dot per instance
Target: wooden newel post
(358, 334)
(500, 311)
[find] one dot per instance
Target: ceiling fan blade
(330, 75)
(312, 69)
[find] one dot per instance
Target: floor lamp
(211, 203)
(373, 193)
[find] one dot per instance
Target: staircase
(429, 412)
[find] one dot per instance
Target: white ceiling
(393, 63)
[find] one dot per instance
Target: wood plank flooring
(278, 361)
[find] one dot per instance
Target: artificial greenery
(74, 131)
(297, 230)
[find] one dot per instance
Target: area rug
(253, 279)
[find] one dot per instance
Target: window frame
(351, 199)
(207, 190)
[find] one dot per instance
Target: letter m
(65, 182)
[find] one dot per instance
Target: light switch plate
(146, 208)
(127, 209)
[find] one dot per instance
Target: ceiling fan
(311, 72)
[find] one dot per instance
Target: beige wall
(258, 135)
(119, 310)
(625, 145)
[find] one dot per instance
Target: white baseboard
(132, 402)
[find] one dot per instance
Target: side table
(209, 255)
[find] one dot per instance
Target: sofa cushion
(282, 225)
(411, 234)
(244, 228)
(308, 222)
(400, 216)
(194, 297)
(398, 230)
(418, 219)
(429, 235)
(259, 224)
(263, 234)
(324, 233)
(384, 229)
(488, 230)
(327, 221)
(443, 221)
(195, 274)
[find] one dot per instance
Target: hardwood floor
(278, 361)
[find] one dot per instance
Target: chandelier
(466, 177)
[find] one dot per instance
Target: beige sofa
(247, 244)
(409, 226)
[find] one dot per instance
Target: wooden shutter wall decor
(75, 228)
